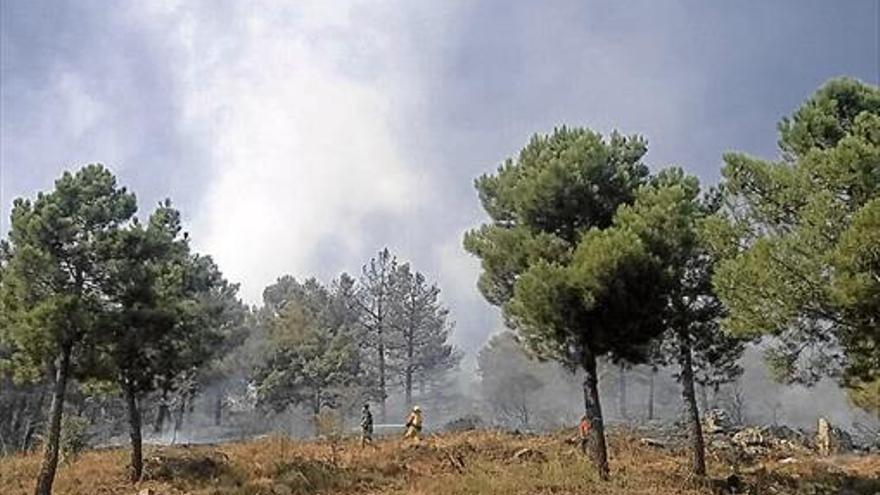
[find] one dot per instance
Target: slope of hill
(451, 464)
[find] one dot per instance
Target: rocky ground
(743, 444)
(473, 462)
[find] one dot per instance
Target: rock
(769, 436)
(527, 454)
(831, 440)
(750, 436)
(717, 421)
(759, 441)
(147, 491)
(788, 460)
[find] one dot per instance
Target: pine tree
(572, 291)
(418, 341)
(375, 299)
(51, 288)
(667, 216)
(796, 238)
(313, 361)
(171, 313)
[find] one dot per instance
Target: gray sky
(303, 138)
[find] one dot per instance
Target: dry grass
(455, 464)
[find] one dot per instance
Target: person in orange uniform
(414, 424)
(584, 432)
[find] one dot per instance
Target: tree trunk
(409, 394)
(651, 377)
(524, 416)
(621, 392)
(408, 382)
(19, 412)
(178, 421)
(134, 424)
(162, 414)
(593, 409)
(316, 413)
(382, 410)
(56, 411)
(218, 407)
(34, 420)
(690, 400)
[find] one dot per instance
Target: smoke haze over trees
(617, 284)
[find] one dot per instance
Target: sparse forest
(111, 323)
(591, 256)
(632, 295)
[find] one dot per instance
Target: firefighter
(414, 424)
(366, 426)
(584, 432)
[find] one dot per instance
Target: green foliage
(51, 288)
(827, 117)
(74, 437)
(314, 359)
(418, 341)
(571, 287)
(669, 216)
(561, 185)
(169, 314)
(605, 302)
(51, 292)
(856, 288)
(336, 346)
(866, 396)
(89, 292)
(375, 300)
(142, 266)
(565, 182)
(798, 238)
(507, 252)
(561, 284)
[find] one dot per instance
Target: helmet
(417, 409)
(366, 406)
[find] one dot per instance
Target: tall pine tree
(573, 292)
(418, 343)
(51, 293)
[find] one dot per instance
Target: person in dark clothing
(366, 426)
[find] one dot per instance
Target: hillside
(450, 464)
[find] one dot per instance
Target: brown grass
(455, 464)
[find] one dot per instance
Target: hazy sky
(303, 138)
